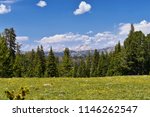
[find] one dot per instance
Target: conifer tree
(38, 67)
(40, 62)
(132, 29)
(88, 65)
(134, 47)
(66, 64)
(31, 63)
(118, 64)
(118, 48)
(5, 65)
(102, 66)
(43, 61)
(10, 36)
(147, 54)
(17, 66)
(82, 69)
(51, 67)
(75, 70)
(95, 61)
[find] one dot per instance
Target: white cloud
(8, 1)
(105, 39)
(88, 41)
(28, 46)
(4, 9)
(41, 3)
(22, 38)
(60, 38)
(61, 41)
(83, 8)
(104, 36)
(143, 26)
(78, 42)
(124, 29)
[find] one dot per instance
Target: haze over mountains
(82, 53)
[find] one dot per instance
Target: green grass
(109, 88)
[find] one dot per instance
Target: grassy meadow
(108, 88)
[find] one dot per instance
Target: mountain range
(82, 53)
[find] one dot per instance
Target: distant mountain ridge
(83, 53)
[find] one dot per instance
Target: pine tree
(66, 64)
(88, 65)
(31, 61)
(75, 70)
(5, 64)
(17, 66)
(132, 29)
(134, 47)
(118, 64)
(95, 63)
(43, 61)
(29, 64)
(82, 69)
(51, 67)
(147, 54)
(10, 36)
(40, 62)
(118, 48)
(141, 53)
(103, 65)
(38, 67)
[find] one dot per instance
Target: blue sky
(76, 24)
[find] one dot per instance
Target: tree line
(131, 58)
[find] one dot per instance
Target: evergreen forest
(130, 58)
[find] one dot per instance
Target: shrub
(19, 95)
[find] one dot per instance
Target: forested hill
(133, 58)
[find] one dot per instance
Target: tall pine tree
(5, 65)
(10, 37)
(51, 66)
(75, 70)
(88, 65)
(17, 66)
(40, 62)
(82, 69)
(66, 64)
(95, 61)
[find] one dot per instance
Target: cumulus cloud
(143, 26)
(41, 3)
(78, 41)
(105, 39)
(83, 8)
(5, 6)
(58, 38)
(28, 46)
(4, 9)
(124, 29)
(88, 41)
(61, 41)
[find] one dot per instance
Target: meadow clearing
(107, 88)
